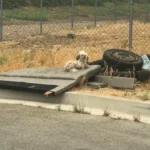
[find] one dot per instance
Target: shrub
(9, 4)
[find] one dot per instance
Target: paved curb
(112, 107)
(85, 110)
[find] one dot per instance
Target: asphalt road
(29, 128)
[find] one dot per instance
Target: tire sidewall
(122, 64)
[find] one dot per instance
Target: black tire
(97, 62)
(148, 55)
(122, 59)
(143, 75)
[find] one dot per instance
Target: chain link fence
(94, 25)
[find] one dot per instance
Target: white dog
(80, 63)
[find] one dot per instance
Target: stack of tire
(123, 60)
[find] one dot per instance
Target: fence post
(1, 20)
(130, 24)
(147, 13)
(95, 19)
(41, 16)
(115, 4)
(72, 14)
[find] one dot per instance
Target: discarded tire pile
(122, 60)
(123, 63)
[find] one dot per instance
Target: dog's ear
(78, 57)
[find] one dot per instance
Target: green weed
(3, 60)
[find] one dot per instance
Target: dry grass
(54, 49)
(136, 118)
(137, 94)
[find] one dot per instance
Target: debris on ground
(122, 60)
(116, 82)
(143, 75)
(46, 80)
(146, 62)
(96, 85)
(118, 69)
(121, 67)
(71, 36)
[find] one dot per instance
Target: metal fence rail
(111, 24)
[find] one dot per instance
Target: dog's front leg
(73, 70)
(86, 66)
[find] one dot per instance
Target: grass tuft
(3, 60)
(106, 113)
(136, 118)
(145, 95)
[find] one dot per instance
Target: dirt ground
(141, 92)
(22, 47)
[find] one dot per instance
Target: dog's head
(82, 57)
